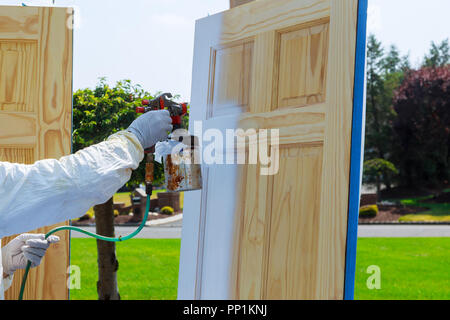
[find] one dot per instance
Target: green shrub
(368, 211)
(167, 210)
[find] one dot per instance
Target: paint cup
(182, 169)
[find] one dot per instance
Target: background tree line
(408, 118)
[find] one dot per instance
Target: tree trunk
(108, 265)
(378, 188)
(387, 180)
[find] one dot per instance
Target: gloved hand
(25, 247)
(151, 127)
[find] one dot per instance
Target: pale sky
(151, 41)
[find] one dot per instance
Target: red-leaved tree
(422, 127)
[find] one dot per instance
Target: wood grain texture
(16, 23)
(252, 235)
(231, 69)
(292, 256)
(235, 3)
(336, 157)
(265, 72)
(35, 116)
(300, 125)
(15, 155)
(18, 128)
(17, 66)
(56, 72)
(303, 65)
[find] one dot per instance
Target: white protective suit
(52, 191)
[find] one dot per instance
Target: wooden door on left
(36, 116)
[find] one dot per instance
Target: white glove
(151, 127)
(25, 247)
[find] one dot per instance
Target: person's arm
(53, 191)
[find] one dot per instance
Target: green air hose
(99, 237)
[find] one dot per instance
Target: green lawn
(148, 269)
(436, 212)
(411, 268)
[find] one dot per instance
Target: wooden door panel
(292, 243)
(290, 228)
(18, 65)
(303, 65)
(36, 116)
(231, 68)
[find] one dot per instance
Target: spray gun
(161, 102)
(179, 177)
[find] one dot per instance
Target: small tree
(375, 169)
(385, 71)
(97, 114)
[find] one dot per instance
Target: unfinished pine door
(287, 65)
(36, 116)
